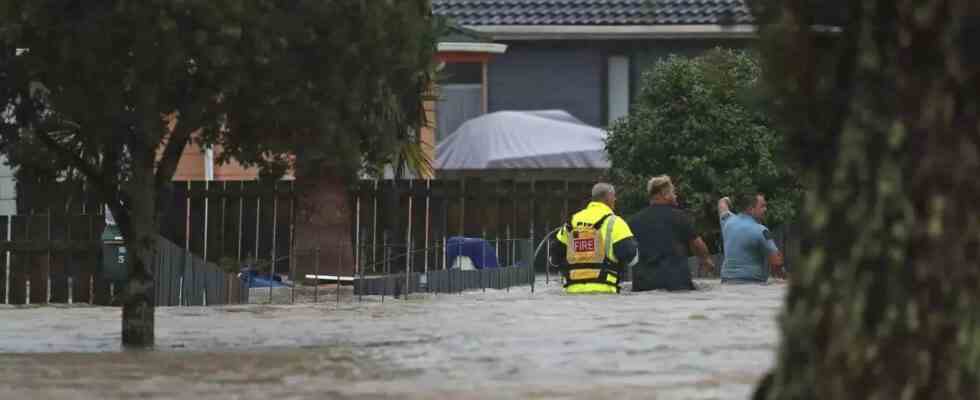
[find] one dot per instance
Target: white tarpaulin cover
(523, 140)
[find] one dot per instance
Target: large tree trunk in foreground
(138, 299)
(140, 230)
(885, 118)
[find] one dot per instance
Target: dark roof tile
(592, 12)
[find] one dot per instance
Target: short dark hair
(747, 200)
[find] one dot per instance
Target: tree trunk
(323, 220)
(887, 302)
(139, 228)
(138, 301)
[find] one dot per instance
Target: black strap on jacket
(598, 224)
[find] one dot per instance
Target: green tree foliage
(880, 101)
(699, 121)
(115, 90)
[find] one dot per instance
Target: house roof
(593, 12)
(463, 40)
(458, 34)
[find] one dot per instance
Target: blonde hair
(659, 185)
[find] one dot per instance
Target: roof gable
(593, 12)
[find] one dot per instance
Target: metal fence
(397, 272)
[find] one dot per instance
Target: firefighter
(595, 247)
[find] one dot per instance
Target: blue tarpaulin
(478, 250)
(255, 280)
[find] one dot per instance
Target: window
(618, 89)
(460, 97)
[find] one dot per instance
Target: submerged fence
(51, 259)
(183, 279)
(497, 264)
(57, 259)
(396, 228)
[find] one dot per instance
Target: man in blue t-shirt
(748, 243)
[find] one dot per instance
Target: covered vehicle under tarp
(523, 140)
(470, 253)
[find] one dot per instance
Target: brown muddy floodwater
(710, 344)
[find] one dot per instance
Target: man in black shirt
(666, 238)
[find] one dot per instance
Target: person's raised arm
(724, 210)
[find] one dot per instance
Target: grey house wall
(536, 75)
(8, 191)
(571, 75)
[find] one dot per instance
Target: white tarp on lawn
(551, 139)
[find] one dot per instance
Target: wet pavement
(710, 344)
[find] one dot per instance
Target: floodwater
(711, 344)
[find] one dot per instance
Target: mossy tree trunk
(884, 118)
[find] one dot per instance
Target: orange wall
(191, 167)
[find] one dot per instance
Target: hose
(546, 239)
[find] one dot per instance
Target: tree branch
(87, 169)
(176, 142)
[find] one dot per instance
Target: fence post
(340, 266)
(384, 267)
(316, 273)
(530, 267)
(509, 270)
(47, 295)
(272, 270)
(357, 234)
(483, 252)
(532, 220)
(547, 257)
(428, 198)
(374, 230)
(275, 239)
(408, 242)
(6, 280)
(384, 253)
(359, 283)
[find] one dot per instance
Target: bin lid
(111, 233)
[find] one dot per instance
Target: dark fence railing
(50, 258)
(396, 227)
(498, 264)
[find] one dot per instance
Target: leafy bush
(701, 121)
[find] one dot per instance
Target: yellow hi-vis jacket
(620, 250)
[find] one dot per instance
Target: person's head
(661, 190)
(753, 204)
(604, 193)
